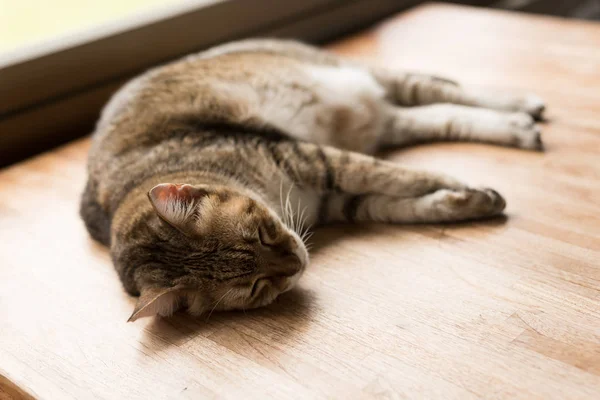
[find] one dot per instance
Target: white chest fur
(298, 206)
(310, 104)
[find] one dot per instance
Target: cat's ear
(176, 203)
(156, 300)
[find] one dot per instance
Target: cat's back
(199, 96)
(249, 89)
(284, 88)
(221, 88)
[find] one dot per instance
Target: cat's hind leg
(417, 89)
(451, 122)
(406, 89)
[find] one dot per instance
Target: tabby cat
(205, 174)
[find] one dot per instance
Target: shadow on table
(278, 323)
(261, 332)
(328, 235)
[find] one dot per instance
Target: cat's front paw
(526, 134)
(471, 203)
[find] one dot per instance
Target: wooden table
(500, 309)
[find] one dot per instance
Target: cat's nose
(286, 268)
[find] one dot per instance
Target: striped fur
(272, 137)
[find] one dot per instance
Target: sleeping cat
(205, 174)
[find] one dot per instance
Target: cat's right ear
(176, 203)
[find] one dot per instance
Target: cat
(205, 174)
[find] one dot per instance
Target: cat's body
(239, 146)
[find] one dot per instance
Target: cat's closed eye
(264, 239)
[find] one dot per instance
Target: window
(54, 83)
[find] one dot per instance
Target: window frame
(52, 93)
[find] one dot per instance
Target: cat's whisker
(303, 226)
(217, 303)
(306, 236)
(289, 208)
(303, 218)
(298, 216)
(292, 215)
(303, 221)
(281, 199)
(285, 210)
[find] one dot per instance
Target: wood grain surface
(503, 309)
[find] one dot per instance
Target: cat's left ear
(156, 300)
(176, 203)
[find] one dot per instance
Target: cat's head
(208, 248)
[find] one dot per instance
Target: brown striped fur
(205, 173)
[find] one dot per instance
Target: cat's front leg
(356, 187)
(444, 205)
(330, 170)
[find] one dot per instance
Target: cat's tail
(96, 220)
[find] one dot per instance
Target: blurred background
(24, 23)
(27, 22)
(60, 60)
(584, 9)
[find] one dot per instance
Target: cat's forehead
(238, 208)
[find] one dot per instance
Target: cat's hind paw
(526, 134)
(531, 104)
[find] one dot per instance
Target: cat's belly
(336, 106)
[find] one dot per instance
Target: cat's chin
(300, 251)
(271, 290)
(292, 281)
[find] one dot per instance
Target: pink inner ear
(175, 202)
(165, 191)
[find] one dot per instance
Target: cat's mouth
(266, 289)
(263, 292)
(264, 285)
